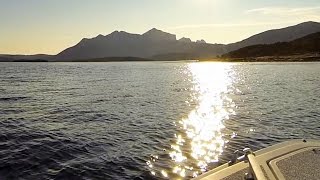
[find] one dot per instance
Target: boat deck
(303, 164)
(296, 159)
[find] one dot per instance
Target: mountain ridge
(146, 45)
(163, 44)
(160, 44)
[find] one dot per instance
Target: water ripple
(147, 120)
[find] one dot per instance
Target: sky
(50, 26)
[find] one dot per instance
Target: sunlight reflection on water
(201, 140)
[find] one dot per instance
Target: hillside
(277, 35)
(304, 45)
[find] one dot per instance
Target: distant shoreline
(293, 58)
(268, 59)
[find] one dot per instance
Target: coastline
(291, 58)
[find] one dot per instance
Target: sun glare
(203, 140)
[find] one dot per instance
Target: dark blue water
(148, 120)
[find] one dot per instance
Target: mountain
(277, 35)
(149, 44)
(305, 45)
(201, 41)
(158, 35)
(185, 40)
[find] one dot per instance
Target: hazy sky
(49, 26)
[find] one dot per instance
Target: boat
(294, 159)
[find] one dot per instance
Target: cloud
(287, 14)
(225, 25)
(285, 11)
(260, 17)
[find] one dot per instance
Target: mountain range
(153, 42)
(158, 45)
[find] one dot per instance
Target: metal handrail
(255, 168)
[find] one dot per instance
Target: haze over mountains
(159, 45)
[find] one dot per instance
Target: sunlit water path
(199, 139)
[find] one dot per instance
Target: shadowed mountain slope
(304, 45)
(278, 35)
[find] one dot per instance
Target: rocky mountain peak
(201, 41)
(156, 34)
(187, 40)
